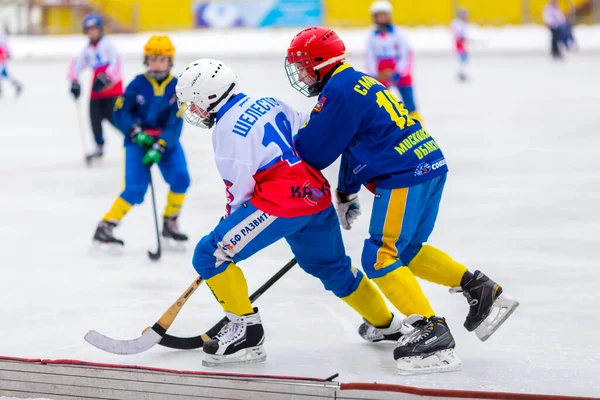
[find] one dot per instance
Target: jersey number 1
(282, 138)
(397, 112)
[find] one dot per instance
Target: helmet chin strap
(220, 99)
(331, 61)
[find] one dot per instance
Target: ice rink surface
(522, 142)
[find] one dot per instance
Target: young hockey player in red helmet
(383, 148)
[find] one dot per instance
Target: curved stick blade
(154, 256)
(123, 347)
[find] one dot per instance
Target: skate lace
(373, 333)
(107, 229)
(229, 333)
(415, 336)
(172, 224)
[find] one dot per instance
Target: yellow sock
(401, 288)
(118, 210)
(367, 301)
(231, 290)
(174, 203)
(436, 266)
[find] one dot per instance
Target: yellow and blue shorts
(401, 221)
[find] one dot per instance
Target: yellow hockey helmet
(159, 45)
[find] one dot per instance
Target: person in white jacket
(555, 21)
(100, 54)
(390, 58)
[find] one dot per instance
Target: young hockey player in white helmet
(390, 57)
(271, 194)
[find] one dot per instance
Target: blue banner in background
(258, 13)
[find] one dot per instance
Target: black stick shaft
(195, 342)
(154, 256)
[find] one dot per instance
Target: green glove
(155, 154)
(140, 137)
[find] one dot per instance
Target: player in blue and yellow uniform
(385, 149)
(147, 114)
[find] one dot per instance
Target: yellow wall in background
(163, 15)
(148, 15)
(60, 20)
(355, 13)
(494, 12)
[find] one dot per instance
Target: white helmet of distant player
(380, 6)
(202, 89)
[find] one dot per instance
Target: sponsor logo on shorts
(309, 194)
(438, 164)
(422, 169)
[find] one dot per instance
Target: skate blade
(173, 245)
(111, 249)
(441, 361)
(502, 308)
(246, 356)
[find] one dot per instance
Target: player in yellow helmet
(147, 114)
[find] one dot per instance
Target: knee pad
(342, 281)
(180, 181)
(410, 252)
(209, 260)
(134, 194)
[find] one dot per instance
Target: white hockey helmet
(380, 6)
(202, 89)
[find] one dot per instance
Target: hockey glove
(100, 83)
(348, 208)
(155, 154)
(141, 138)
(75, 89)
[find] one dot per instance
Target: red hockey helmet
(313, 53)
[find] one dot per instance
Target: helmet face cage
(196, 115)
(301, 73)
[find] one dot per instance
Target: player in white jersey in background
(4, 56)
(100, 54)
(390, 58)
(459, 31)
(271, 194)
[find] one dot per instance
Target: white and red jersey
(3, 49)
(389, 49)
(553, 16)
(253, 144)
(459, 31)
(101, 57)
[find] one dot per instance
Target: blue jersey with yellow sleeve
(153, 106)
(358, 118)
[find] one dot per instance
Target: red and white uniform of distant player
(4, 56)
(459, 28)
(101, 57)
(390, 57)
(3, 50)
(389, 50)
(253, 141)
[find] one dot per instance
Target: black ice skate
(238, 342)
(426, 347)
(172, 235)
(373, 334)
(18, 89)
(95, 155)
(104, 237)
(489, 307)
